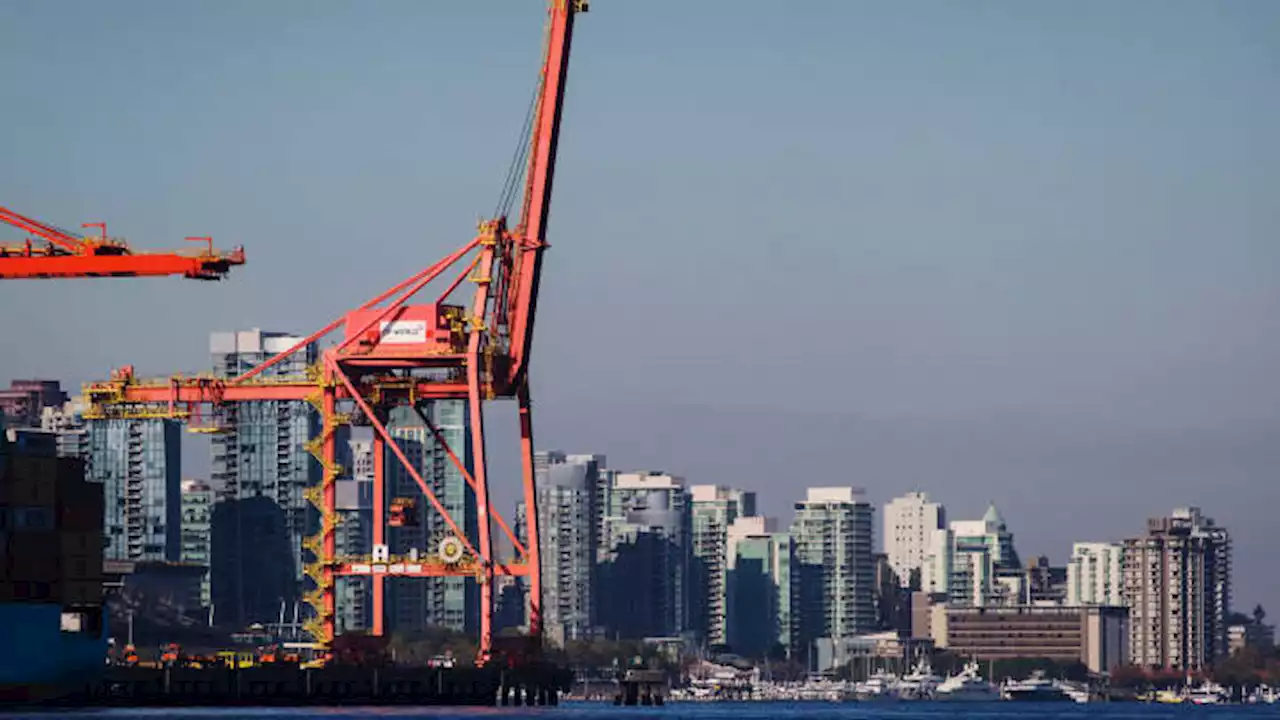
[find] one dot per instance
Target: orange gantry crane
(396, 350)
(54, 253)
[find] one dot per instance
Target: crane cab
(409, 330)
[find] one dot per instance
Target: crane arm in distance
(66, 255)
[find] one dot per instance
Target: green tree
(1243, 668)
(1129, 676)
(1237, 618)
(417, 648)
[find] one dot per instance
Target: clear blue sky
(995, 250)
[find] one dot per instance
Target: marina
(966, 686)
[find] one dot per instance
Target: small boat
(1263, 695)
(1036, 688)
(880, 686)
(1169, 697)
(919, 684)
(1078, 692)
(1207, 694)
(968, 685)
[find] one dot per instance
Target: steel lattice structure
(396, 350)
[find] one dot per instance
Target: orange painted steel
(64, 255)
(198, 391)
(405, 567)
(391, 352)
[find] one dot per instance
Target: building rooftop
(992, 516)
(647, 481)
(834, 495)
(753, 525)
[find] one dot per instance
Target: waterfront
(703, 711)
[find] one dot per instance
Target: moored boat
(1036, 688)
(967, 685)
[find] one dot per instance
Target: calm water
(711, 711)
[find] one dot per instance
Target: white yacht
(1207, 694)
(1078, 692)
(1263, 694)
(967, 685)
(880, 686)
(1036, 688)
(919, 684)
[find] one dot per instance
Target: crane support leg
(378, 586)
(475, 400)
(330, 508)
(532, 556)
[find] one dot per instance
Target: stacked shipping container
(51, 547)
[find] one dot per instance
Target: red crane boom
(532, 229)
(64, 255)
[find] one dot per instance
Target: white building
(964, 560)
(909, 524)
(1095, 574)
(1177, 586)
(935, 575)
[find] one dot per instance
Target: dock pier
(292, 686)
(641, 687)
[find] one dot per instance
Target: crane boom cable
(515, 171)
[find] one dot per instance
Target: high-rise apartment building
(139, 464)
(834, 566)
(1095, 574)
(260, 450)
(758, 586)
(992, 533)
(67, 422)
(644, 559)
(197, 531)
(935, 573)
(567, 526)
(965, 561)
(1177, 585)
(909, 523)
(713, 509)
(973, 576)
(415, 604)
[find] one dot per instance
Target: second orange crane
(55, 253)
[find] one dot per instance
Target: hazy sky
(994, 250)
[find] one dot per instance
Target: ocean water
(704, 711)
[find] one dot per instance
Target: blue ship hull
(41, 661)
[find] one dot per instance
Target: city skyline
(646, 554)
(55, 417)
